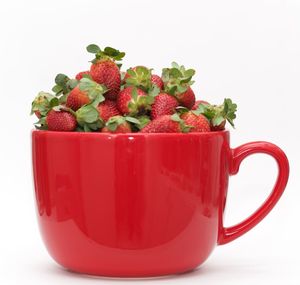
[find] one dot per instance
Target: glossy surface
(138, 204)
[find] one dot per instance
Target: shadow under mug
(138, 205)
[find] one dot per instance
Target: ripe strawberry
(104, 69)
(117, 124)
(218, 114)
(61, 121)
(177, 82)
(77, 98)
(81, 74)
(187, 98)
(108, 109)
(199, 123)
(155, 79)
(132, 100)
(166, 124)
(197, 103)
(164, 104)
(84, 93)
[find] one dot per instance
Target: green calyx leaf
(184, 128)
(132, 120)
(177, 79)
(43, 103)
(139, 77)
(88, 118)
(218, 114)
(94, 90)
(144, 120)
(41, 124)
(115, 121)
(107, 53)
(154, 91)
(92, 48)
(63, 84)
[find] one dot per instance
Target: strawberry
(197, 103)
(82, 74)
(84, 93)
(156, 80)
(218, 114)
(104, 69)
(77, 98)
(43, 103)
(119, 124)
(132, 100)
(60, 120)
(107, 109)
(164, 104)
(177, 82)
(166, 124)
(199, 123)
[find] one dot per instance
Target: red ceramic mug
(139, 204)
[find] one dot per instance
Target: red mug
(138, 205)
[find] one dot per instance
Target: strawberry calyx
(63, 84)
(138, 105)
(115, 121)
(108, 53)
(218, 114)
(43, 103)
(88, 118)
(140, 77)
(183, 126)
(177, 79)
(93, 90)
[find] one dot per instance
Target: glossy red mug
(139, 204)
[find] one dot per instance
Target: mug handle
(237, 155)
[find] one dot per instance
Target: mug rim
(92, 134)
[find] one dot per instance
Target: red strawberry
(61, 121)
(130, 100)
(117, 124)
(164, 104)
(77, 98)
(166, 124)
(104, 69)
(199, 123)
(177, 82)
(81, 74)
(197, 103)
(108, 109)
(187, 98)
(85, 92)
(156, 80)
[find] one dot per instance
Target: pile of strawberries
(105, 99)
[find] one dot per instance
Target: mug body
(130, 204)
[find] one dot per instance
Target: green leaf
(175, 117)
(134, 94)
(87, 114)
(92, 48)
(61, 79)
(216, 121)
(72, 83)
(57, 89)
(132, 120)
(154, 91)
(54, 102)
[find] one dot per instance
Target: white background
(246, 50)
